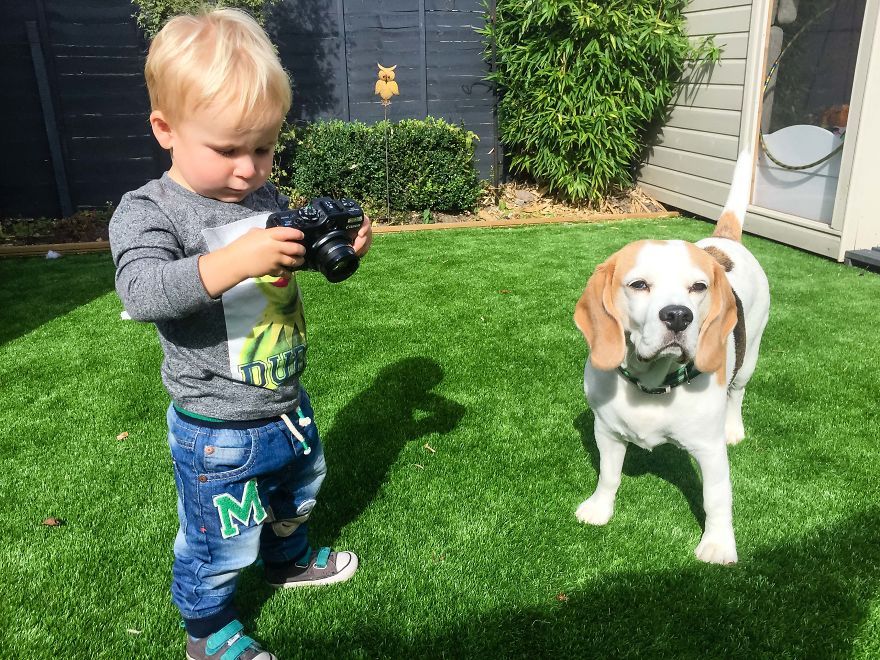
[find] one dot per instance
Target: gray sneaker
(227, 643)
(314, 569)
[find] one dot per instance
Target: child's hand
(259, 252)
(272, 251)
(364, 237)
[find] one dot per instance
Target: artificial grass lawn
(461, 341)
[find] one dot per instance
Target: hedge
(430, 164)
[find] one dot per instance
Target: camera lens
(335, 257)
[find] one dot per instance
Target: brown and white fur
(652, 307)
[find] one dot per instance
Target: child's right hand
(268, 252)
(257, 253)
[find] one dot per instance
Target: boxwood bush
(581, 83)
(430, 164)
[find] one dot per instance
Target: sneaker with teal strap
(314, 568)
(228, 643)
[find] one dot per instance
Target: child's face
(213, 157)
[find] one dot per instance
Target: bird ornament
(385, 85)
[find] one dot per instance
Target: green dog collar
(684, 374)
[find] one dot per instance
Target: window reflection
(811, 60)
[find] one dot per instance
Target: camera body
(325, 223)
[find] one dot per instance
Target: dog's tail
(730, 223)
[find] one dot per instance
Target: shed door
(811, 62)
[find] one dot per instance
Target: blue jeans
(243, 491)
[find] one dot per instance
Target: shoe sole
(341, 576)
(189, 657)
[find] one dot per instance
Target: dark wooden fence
(75, 107)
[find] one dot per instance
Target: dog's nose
(676, 317)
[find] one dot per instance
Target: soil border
(103, 246)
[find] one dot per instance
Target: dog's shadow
(666, 461)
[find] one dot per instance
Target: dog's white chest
(687, 417)
(646, 428)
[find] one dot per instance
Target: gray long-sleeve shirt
(234, 358)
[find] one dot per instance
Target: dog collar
(683, 375)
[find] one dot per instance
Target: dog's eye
(638, 285)
(698, 287)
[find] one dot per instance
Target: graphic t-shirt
(238, 357)
(265, 325)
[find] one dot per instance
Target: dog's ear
(718, 324)
(597, 317)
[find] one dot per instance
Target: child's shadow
(368, 434)
(666, 461)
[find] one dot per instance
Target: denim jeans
(243, 492)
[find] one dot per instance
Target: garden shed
(794, 83)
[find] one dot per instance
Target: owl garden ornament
(385, 86)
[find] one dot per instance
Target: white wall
(691, 163)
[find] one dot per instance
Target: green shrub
(151, 15)
(582, 82)
(430, 164)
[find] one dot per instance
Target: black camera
(325, 223)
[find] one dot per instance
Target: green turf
(462, 340)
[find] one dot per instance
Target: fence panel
(94, 56)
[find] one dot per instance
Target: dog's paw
(735, 435)
(717, 549)
(595, 511)
(734, 431)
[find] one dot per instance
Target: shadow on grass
(671, 464)
(37, 290)
(364, 441)
(369, 432)
(803, 598)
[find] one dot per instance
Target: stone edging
(104, 246)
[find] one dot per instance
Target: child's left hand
(364, 237)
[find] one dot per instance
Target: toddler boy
(193, 257)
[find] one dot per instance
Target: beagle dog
(674, 329)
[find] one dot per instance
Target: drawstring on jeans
(303, 421)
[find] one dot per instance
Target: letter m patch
(230, 508)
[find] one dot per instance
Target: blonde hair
(217, 57)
